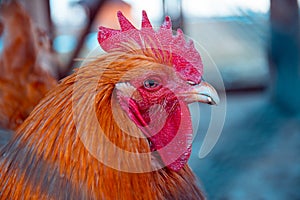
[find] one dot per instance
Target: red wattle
(173, 142)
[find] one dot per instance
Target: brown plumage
(48, 159)
(118, 128)
(23, 81)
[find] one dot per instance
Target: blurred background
(255, 46)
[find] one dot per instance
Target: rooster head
(155, 93)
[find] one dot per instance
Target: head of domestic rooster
(158, 76)
(118, 127)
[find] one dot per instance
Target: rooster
(23, 81)
(118, 127)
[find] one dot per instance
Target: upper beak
(204, 93)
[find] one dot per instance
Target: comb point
(124, 22)
(180, 34)
(145, 20)
(167, 23)
(105, 33)
(190, 44)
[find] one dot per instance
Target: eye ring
(151, 84)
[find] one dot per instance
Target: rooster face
(156, 101)
(155, 95)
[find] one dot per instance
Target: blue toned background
(255, 46)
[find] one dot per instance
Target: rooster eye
(191, 83)
(151, 84)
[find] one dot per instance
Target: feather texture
(60, 153)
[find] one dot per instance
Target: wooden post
(284, 54)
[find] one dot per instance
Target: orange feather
(54, 154)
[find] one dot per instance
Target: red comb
(184, 57)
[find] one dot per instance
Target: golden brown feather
(49, 158)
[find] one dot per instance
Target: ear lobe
(125, 95)
(125, 89)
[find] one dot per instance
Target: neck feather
(55, 152)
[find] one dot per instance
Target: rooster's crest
(166, 47)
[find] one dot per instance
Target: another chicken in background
(23, 81)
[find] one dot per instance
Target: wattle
(168, 129)
(173, 142)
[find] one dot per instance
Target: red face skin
(156, 99)
(159, 109)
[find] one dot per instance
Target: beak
(204, 93)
